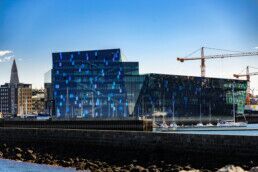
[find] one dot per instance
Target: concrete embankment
(104, 124)
(215, 145)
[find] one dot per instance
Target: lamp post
(93, 105)
(233, 99)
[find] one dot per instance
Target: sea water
(250, 130)
(17, 166)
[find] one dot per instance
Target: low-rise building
(24, 99)
(15, 97)
(38, 103)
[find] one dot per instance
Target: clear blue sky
(153, 32)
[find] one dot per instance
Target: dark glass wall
(187, 96)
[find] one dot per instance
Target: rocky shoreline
(96, 161)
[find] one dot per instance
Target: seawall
(104, 124)
(148, 142)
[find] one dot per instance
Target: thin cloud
(5, 52)
(256, 47)
(6, 59)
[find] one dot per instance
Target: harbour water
(250, 130)
(14, 166)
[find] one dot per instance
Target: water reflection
(14, 166)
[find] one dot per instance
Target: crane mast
(202, 62)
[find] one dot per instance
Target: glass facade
(187, 96)
(97, 84)
(91, 83)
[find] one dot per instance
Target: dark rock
(254, 169)
(7, 150)
(124, 170)
(70, 160)
(98, 163)
(17, 149)
(29, 151)
(231, 168)
(138, 169)
(97, 170)
(135, 161)
(31, 156)
(130, 166)
(65, 163)
(39, 161)
(55, 163)
(47, 161)
(77, 159)
(193, 170)
(205, 170)
(81, 166)
(92, 165)
(245, 167)
(109, 169)
(168, 165)
(188, 167)
(18, 156)
(153, 168)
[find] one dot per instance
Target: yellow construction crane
(220, 56)
(247, 75)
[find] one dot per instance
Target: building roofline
(192, 76)
(75, 51)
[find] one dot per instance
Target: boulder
(231, 168)
(254, 169)
(31, 156)
(29, 151)
(1, 154)
(18, 150)
(124, 170)
(92, 165)
(109, 169)
(129, 167)
(81, 166)
(138, 168)
(153, 168)
(18, 156)
(65, 163)
(188, 167)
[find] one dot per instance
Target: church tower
(14, 74)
